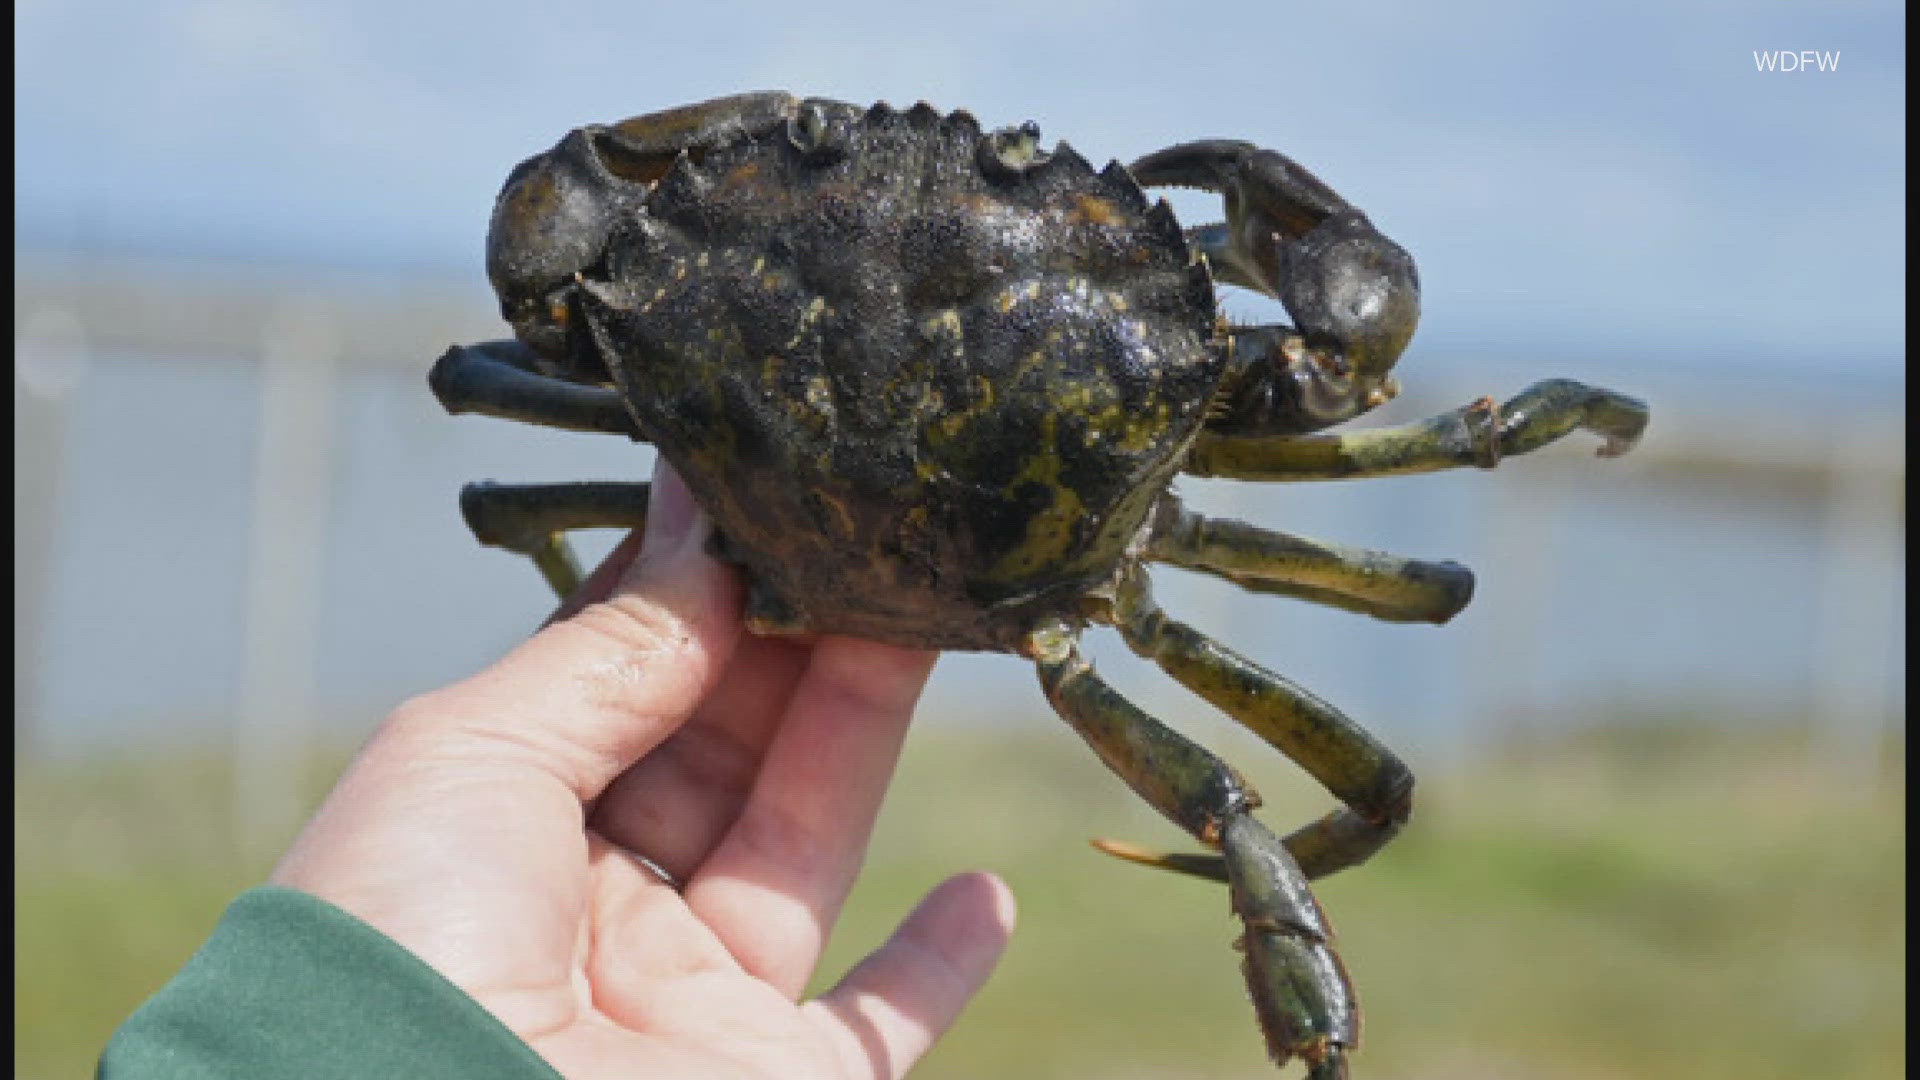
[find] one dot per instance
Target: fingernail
(671, 514)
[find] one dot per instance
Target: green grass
(1623, 906)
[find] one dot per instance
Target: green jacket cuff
(291, 986)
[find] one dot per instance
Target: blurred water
(1626, 595)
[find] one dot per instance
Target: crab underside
(932, 384)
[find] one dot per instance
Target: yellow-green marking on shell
(1050, 529)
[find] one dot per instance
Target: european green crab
(932, 384)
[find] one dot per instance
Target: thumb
(621, 667)
(478, 788)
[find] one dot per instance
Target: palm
(661, 988)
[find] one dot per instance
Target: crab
(932, 384)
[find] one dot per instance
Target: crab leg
(1369, 582)
(1354, 294)
(500, 378)
(1479, 434)
(1375, 785)
(530, 518)
(1300, 992)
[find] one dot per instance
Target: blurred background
(1660, 830)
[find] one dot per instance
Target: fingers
(677, 802)
(893, 1005)
(776, 882)
(588, 695)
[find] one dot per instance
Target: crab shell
(928, 381)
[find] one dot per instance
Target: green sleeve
(291, 986)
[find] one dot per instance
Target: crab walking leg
(1369, 582)
(499, 378)
(1479, 434)
(1375, 786)
(1327, 846)
(531, 518)
(1300, 991)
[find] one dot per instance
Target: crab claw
(557, 209)
(1354, 294)
(552, 221)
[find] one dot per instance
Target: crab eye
(1009, 153)
(807, 126)
(819, 134)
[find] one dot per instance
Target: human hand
(490, 827)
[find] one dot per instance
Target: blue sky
(1623, 177)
